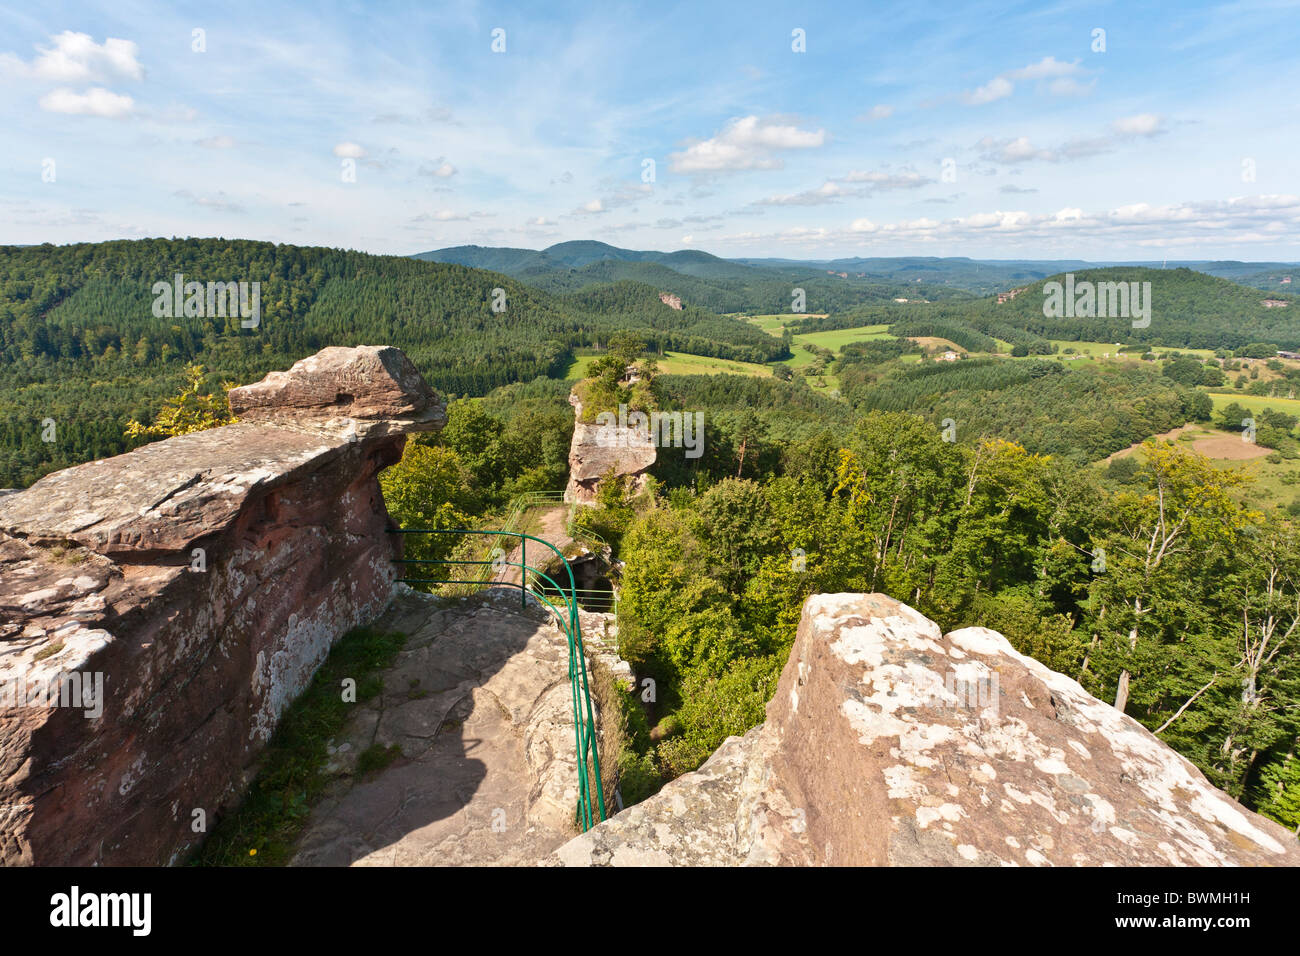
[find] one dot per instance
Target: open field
(1273, 484)
(841, 337)
(775, 324)
(1255, 403)
(1099, 350)
(679, 363)
(833, 340)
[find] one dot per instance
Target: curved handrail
(584, 730)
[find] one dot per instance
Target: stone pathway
(479, 703)
(553, 526)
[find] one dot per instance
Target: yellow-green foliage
(189, 411)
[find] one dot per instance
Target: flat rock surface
(161, 496)
(478, 702)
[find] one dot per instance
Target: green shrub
(716, 708)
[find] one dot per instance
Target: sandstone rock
(366, 382)
(166, 495)
(480, 704)
(201, 580)
(671, 300)
(598, 450)
(887, 743)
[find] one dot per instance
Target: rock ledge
(889, 743)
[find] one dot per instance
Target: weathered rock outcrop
(888, 743)
(599, 449)
(199, 581)
(376, 384)
(479, 704)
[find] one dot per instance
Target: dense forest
(963, 488)
(1083, 413)
(1153, 585)
(1188, 310)
(717, 284)
(81, 347)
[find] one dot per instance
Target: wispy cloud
(96, 101)
(1059, 78)
(856, 183)
(218, 203)
(1022, 150)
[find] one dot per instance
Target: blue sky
(985, 130)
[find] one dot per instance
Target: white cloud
(879, 112)
(96, 101)
(995, 89)
(434, 114)
(1243, 220)
(1069, 86)
(77, 58)
(745, 143)
(1063, 77)
(1021, 149)
(1143, 124)
(624, 196)
(216, 142)
(882, 181)
(349, 150)
(1016, 150)
(450, 215)
(830, 191)
(1048, 67)
(220, 202)
(859, 183)
(439, 168)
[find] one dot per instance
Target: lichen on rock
(888, 743)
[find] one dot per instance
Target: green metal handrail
(584, 728)
(531, 499)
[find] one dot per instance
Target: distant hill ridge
(977, 276)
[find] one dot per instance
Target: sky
(1102, 131)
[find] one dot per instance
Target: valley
(1011, 446)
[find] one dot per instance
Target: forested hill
(697, 277)
(1189, 309)
(581, 253)
(80, 344)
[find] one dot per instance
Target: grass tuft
(265, 828)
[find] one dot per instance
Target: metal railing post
(584, 725)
